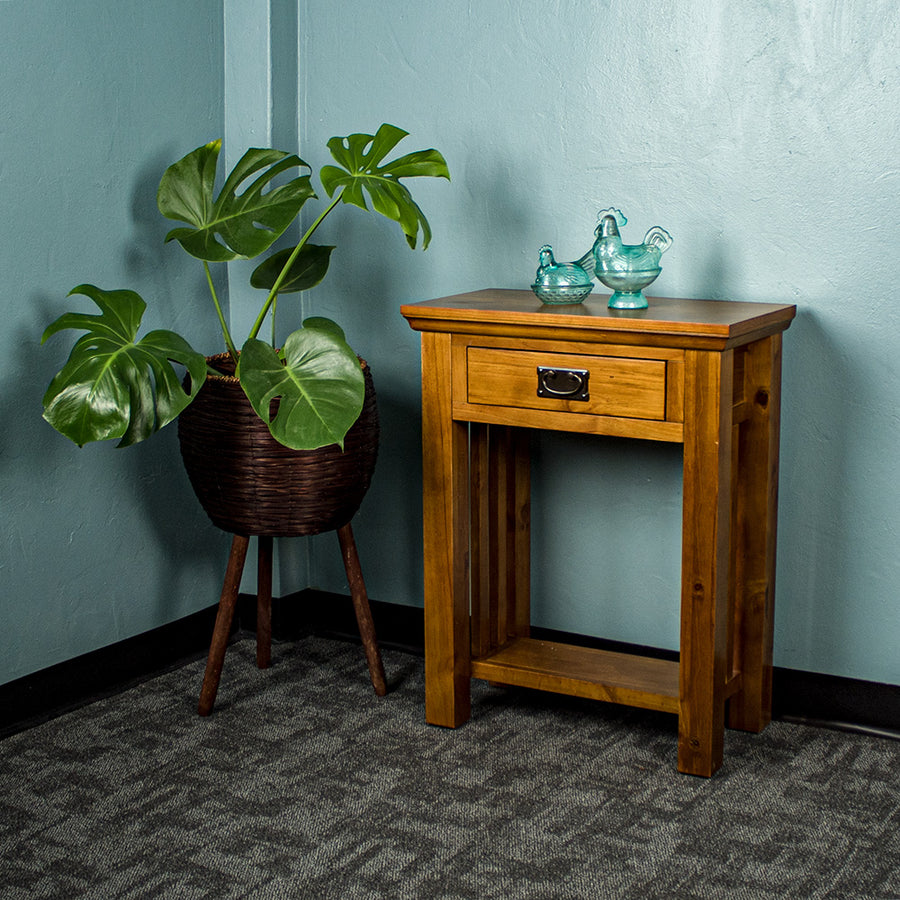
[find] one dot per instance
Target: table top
(686, 322)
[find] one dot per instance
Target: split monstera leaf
(116, 385)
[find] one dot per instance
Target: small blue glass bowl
(561, 293)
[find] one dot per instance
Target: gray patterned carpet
(304, 784)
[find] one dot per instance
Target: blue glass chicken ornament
(561, 282)
(627, 269)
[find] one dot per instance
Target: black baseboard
(848, 704)
(57, 689)
(331, 615)
(806, 697)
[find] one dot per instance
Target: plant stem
(287, 266)
(229, 343)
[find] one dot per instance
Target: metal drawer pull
(564, 384)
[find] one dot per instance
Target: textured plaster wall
(764, 136)
(96, 98)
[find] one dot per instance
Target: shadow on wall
(146, 257)
(390, 519)
(68, 511)
(716, 271)
(388, 525)
(173, 284)
(606, 536)
(99, 489)
(25, 438)
(193, 548)
(815, 504)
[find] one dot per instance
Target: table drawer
(619, 386)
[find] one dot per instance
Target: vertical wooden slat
(480, 602)
(705, 560)
(499, 544)
(757, 504)
(500, 506)
(507, 524)
(521, 527)
(446, 540)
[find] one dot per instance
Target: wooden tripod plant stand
(228, 600)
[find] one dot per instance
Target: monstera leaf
(306, 271)
(317, 378)
(111, 386)
(360, 155)
(231, 226)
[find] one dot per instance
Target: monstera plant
(117, 385)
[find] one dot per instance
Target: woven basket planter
(250, 484)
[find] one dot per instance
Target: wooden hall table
(703, 373)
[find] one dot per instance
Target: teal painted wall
(764, 137)
(96, 99)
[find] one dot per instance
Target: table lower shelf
(583, 672)
(625, 678)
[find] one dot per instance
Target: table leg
(756, 512)
(445, 488)
(708, 398)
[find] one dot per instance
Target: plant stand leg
(361, 608)
(222, 628)
(264, 602)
